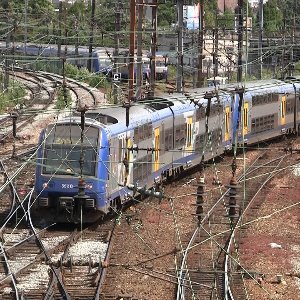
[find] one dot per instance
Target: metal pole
(179, 81)
(59, 29)
(139, 71)
(131, 50)
(6, 75)
(240, 39)
(116, 49)
(200, 44)
(216, 52)
(25, 27)
(260, 41)
(153, 48)
(91, 41)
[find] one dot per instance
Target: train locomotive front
(71, 172)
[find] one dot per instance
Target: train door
(121, 168)
(227, 123)
(156, 148)
(283, 110)
(245, 118)
(189, 135)
(124, 159)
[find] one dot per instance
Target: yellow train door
(245, 118)
(227, 123)
(156, 148)
(283, 110)
(189, 135)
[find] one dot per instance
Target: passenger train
(38, 57)
(86, 169)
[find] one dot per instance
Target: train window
(168, 139)
(162, 139)
(290, 104)
(274, 97)
(177, 136)
(149, 133)
(136, 134)
(120, 150)
(200, 113)
(263, 123)
(253, 125)
(66, 134)
(254, 101)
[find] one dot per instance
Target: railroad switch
(199, 201)
(233, 196)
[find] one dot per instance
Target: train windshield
(63, 150)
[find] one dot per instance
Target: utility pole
(139, 71)
(76, 40)
(59, 29)
(25, 27)
(89, 62)
(283, 62)
(65, 95)
(200, 44)
(116, 50)
(131, 50)
(293, 39)
(179, 81)
(153, 48)
(240, 39)
(260, 41)
(216, 51)
(6, 75)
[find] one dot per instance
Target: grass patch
(12, 96)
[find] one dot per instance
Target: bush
(12, 96)
(64, 100)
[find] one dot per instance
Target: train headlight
(45, 185)
(89, 186)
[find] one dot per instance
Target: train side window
(275, 98)
(253, 124)
(120, 150)
(162, 139)
(136, 134)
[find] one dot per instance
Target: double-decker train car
(87, 165)
(50, 58)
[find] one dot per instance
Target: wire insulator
(233, 196)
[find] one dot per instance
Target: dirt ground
(271, 248)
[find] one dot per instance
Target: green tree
(273, 17)
(226, 21)
(211, 9)
(166, 13)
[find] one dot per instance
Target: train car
(268, 108)
(47, 56)
(85, 169)
(167, 134)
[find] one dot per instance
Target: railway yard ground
(269, 249)
(151, 236)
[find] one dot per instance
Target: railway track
(235, 274)
(42, 90)
(209, 268)
(60, 263)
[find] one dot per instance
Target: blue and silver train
(84, 170)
